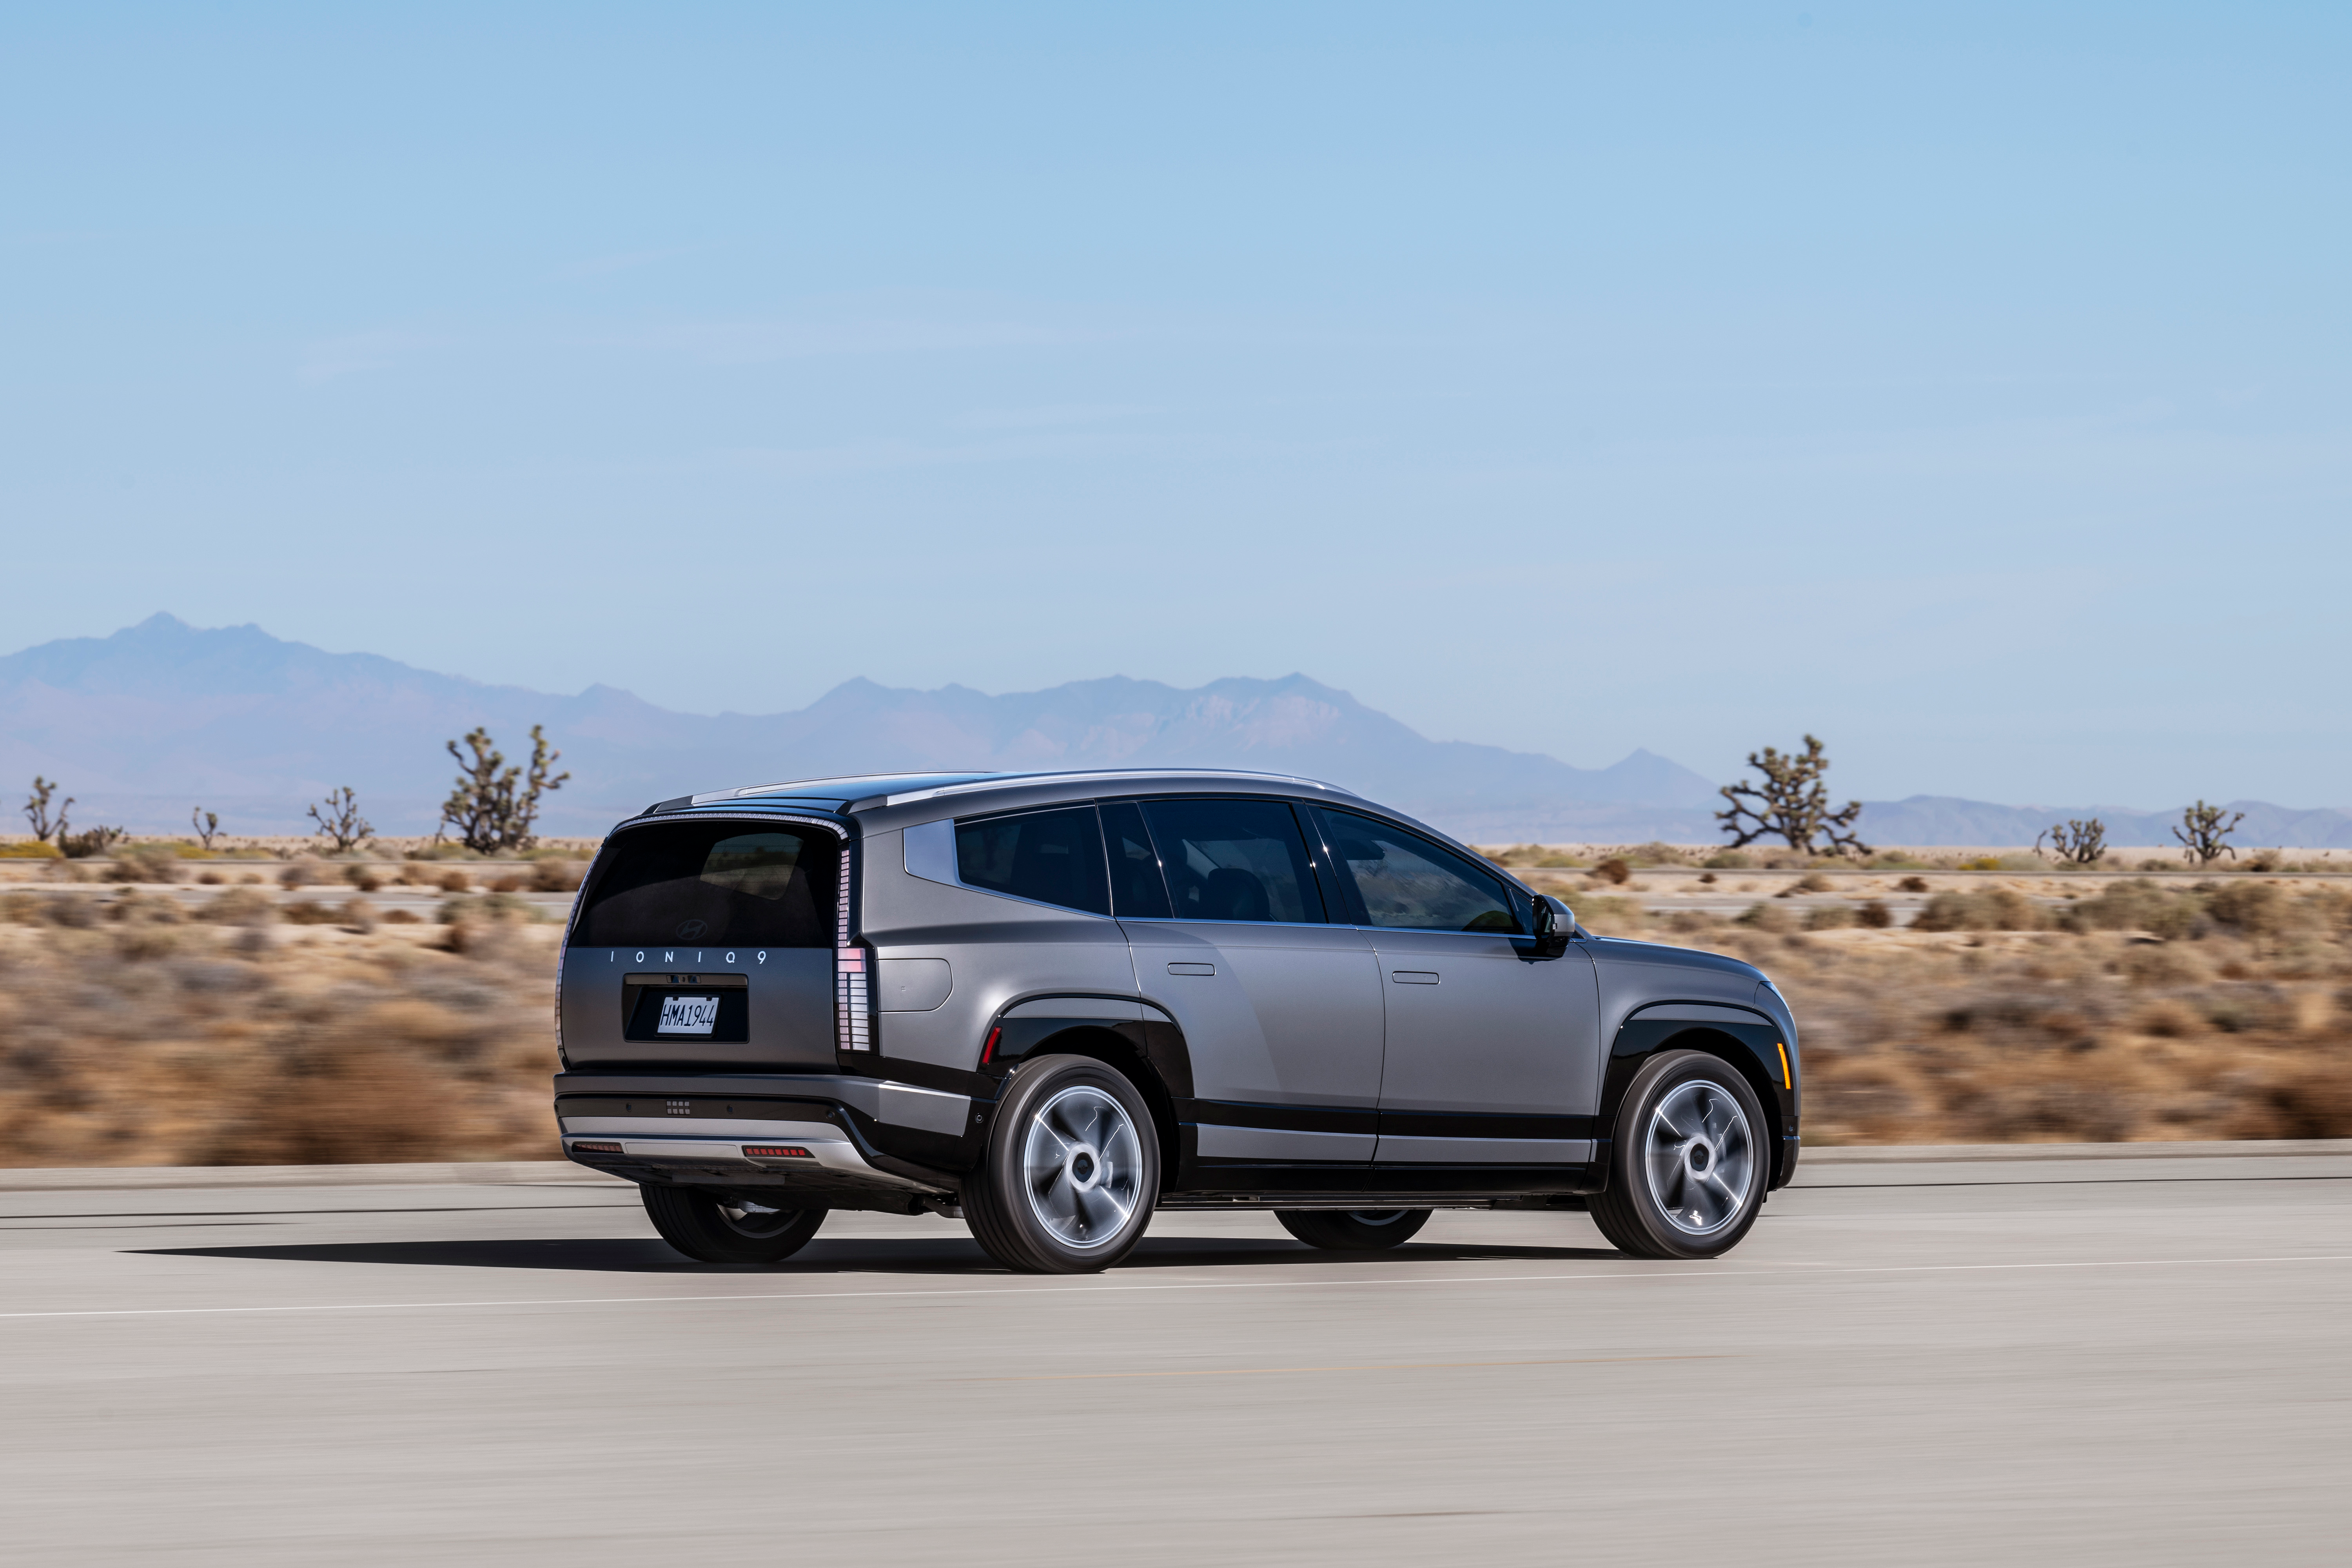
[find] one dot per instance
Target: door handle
(1413, 976)
(1191, 969)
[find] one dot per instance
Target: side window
(1136, 888)
(1406, 881)
(1234, 860)
(1052, 857)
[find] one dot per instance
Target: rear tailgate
(707, 943)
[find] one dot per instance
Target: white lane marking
(1784, 1270)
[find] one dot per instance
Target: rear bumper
(822, 1138)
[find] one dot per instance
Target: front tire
(1072, 1171)
(1353, 1230)
(713, 1227)
(1691, 1160)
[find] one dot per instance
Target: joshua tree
(495, 804)
(2077, 843)
(2201, 832)
(207, 825)
(36, 810)
(1792, 803)
(339, 820)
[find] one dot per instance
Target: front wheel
(1691, 1160)
(717, 1227)
(1353, 1230)
(1072, 1171)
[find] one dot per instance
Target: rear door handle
(1413, 976)
(1191, 969)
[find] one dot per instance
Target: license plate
(688, 1015)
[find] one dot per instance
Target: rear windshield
(733, 884)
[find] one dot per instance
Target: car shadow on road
(926, 1255)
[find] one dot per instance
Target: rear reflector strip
(579, 1147)
(776, 1152)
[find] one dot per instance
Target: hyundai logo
(691, 930)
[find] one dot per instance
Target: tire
(1353, 1230)
(715, 1228)
(1072, 1170)
(1691, 1160)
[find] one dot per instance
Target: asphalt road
(2080, 1361)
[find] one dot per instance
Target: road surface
(2081, 1361)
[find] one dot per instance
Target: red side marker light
(775, 1151)
(988, 1051)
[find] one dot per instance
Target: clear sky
(1966, 383)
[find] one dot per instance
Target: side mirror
(1554, 926)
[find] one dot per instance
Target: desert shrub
(402, 918)
(134, 908)
(144, 863)
(1813, 883)
(71, 910)
(358, 914)
(513, 882)
(1829, 917)
(29, 849)
(299, 874)
(453, 881)
(1767, 916)
(2255, 908)
(558, 876)
(363, 877)
(1992, 909)
(1912, 885)
(239, 906)
(1654, 853)
(1727, 860)
(1613, 871)
(86, 846)
(1612, 917)
(2135, 905)
(140, 943)
(210, 878)
(309, 912)
(1875, 916)
(1982, 863)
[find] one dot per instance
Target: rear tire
(1072, 1171)
(1353, 1230)
(711, 1227)
(1690, 1162)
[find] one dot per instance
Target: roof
(868, 792)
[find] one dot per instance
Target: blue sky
(1966, 385)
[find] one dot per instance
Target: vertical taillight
(853, 1025)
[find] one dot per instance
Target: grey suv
(1053, 1003)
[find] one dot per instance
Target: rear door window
(714, 884)
(1405, 882)
(1052, 857)
(1234, 860)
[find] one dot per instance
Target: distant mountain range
(161, 716)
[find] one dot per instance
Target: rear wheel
(1690, 1164)
(1353, 1230)
(717, 1227)
(1072, 1171)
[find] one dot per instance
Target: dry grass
(2003, 1022)
(136, 1031)
(130, 1035)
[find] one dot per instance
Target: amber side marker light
(776, 1152)
(581, 1147)
(1786, 1082)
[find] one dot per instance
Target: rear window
(1052, 857)
(714, 884)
